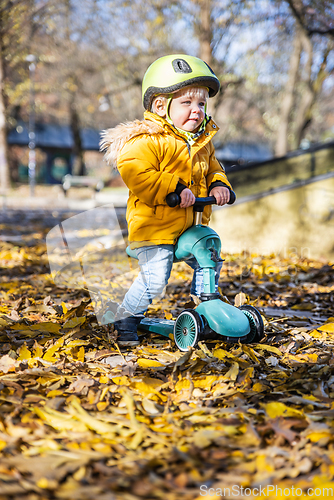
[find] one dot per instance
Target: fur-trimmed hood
(113, 139)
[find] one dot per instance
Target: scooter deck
(160, 326)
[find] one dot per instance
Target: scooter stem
(198, 218)
(209, 284)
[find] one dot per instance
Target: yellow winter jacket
(152, 157)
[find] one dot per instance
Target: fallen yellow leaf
(47, 326)
(148, 386)
(54, 393)
(270, 348)
(60, 421)
(168, 315)
(102, 405)
(81, 354)
(38, 350)
(327, 327)
(121, 380)
(49, 355)
(73, 322)
(222, 355)
(250, 352)
(258, 387)
(304, 306)
(262, 464)
(233, 372)
(314, 437)
(24, 353)
(277, 409)
(93, 423)
(148, 363)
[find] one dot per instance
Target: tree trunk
(205, 31)
(281, 147)
(74, 116)
(307, 94)
(77, 143)
(310, 93)
(4, 166)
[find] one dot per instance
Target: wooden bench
(81, 181)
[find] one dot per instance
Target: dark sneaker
(127, 331)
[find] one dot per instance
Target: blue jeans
(155, 267)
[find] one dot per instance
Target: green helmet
(168, 74)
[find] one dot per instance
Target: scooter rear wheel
(187, 329)
(256, 324)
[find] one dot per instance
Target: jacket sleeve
(216, 171)
(139, 166)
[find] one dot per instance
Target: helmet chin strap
(168, 118)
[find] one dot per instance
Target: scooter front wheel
(187, 329)
(256, 324)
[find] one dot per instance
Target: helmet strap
(168, 118)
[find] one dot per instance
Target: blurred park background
(70, 68)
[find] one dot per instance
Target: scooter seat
(131, 252)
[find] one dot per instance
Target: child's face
(187, 108)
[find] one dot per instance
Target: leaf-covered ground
(81, 420)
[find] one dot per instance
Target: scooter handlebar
(174, 199)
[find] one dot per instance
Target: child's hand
(222, 194)
(187, 198)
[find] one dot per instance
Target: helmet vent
(181, 66)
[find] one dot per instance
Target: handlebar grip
(174, 199)
(233, 197)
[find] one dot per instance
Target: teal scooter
(212, 318)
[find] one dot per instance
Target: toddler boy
(169, 151)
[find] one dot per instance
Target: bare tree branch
(303, 24)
